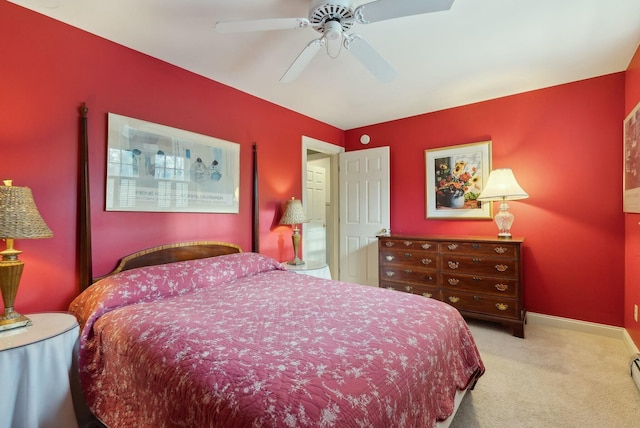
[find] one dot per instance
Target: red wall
(47, 70)
(565, 145)
(632, 221)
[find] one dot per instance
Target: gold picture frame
(455, 177)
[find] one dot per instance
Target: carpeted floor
(553, 378)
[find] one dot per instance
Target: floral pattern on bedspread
(235, 341)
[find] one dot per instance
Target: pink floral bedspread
(236, 341)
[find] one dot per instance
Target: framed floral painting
(455, 177)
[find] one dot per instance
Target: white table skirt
(35, 364)
(311, 268)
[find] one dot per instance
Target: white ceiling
(478, 50)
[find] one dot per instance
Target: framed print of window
(152, 167)
(631, 195)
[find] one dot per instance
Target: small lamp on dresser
(502, 186)
(294, 215)
(19, 219)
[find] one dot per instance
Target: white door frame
(309, 143)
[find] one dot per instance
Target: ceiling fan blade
(370, 58)
(388, 9)
(261, 25)
(302, 60)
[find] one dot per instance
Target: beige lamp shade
(502, 185)
(19, 216)
(19, 219)
(294, 213)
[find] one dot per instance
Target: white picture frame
(157, 168)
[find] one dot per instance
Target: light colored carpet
(553, 378)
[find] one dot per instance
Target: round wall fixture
(365, 139)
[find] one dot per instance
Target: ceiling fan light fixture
(333, 30)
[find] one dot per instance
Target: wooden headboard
(151, 256)
(174, 253)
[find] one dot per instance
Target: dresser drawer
(478, 249)
(409, 257)
(480, 266)
(422, 290)
(488, 305)
(406, 244)
(408, 274)
(480, 284)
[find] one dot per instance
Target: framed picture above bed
(152, 167)
(455, 177)
(631, 195)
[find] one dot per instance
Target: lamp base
(295, 238)
(504, 220)
(10, 319)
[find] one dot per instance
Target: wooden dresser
(481, 277)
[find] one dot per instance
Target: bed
(202, 334)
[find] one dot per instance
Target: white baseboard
(584, 327)
(631, 346)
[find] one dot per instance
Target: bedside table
(35, 363)
(313, 268)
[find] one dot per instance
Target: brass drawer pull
(502, 306)
(477, 298)
(389, 273)
(477, 278)
(408, 271)
(427, 294)
(426, 246)
(389, 258)
(390, 288)
(501, 250)
(408, 255)
(501, 268)
(389, 244)
(476, 245)
(427, 278)
(454, 299)
(453, 265)
(453, 247)
(409, 288)
(502, 287)
(453, 281)
(426, 261)
(477, 260)
(407, 243)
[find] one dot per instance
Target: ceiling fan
(333, 19)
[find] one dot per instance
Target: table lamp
(502, 186)
(294, 215)
(19, 219)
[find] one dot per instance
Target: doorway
(320, 198)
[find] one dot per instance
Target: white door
(315, 241)
(364, 212)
